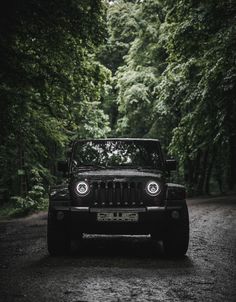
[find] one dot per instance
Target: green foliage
(155, 68)
(177, 83)
(51, 88)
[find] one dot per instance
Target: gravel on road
(123, 268)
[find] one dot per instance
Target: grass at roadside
(9, 210)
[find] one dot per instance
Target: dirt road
(124, 268)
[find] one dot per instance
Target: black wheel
(176, 239)
(58, 240)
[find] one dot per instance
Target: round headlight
(153, 188)
(82, 188)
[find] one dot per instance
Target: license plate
(133, 217)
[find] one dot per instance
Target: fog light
(60, 215)
(175, 214)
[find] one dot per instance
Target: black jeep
(117, 186)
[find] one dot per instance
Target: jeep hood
(114, 173)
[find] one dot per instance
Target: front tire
(176, 239)
(58, 241)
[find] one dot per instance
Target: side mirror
(171, 164)
(62, 166)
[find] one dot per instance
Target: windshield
(143, 154)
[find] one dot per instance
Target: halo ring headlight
(82, 188)
(153, 188)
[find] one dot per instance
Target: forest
(123, 68)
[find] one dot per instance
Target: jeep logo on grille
(119, 179)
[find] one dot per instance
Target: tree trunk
(203, 169)
(232, 162)
(208, 174)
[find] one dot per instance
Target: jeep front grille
(109, 193)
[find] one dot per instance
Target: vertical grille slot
(95, 193)
(102, 193)
(125, 194)
(110, 197)
(139, 192)
(117, 193)
(132, 200)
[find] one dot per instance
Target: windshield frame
(128, 140)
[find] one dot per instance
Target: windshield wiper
(95, 167)
(127, 166)
(140, 168)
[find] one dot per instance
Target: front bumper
(154, 219)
